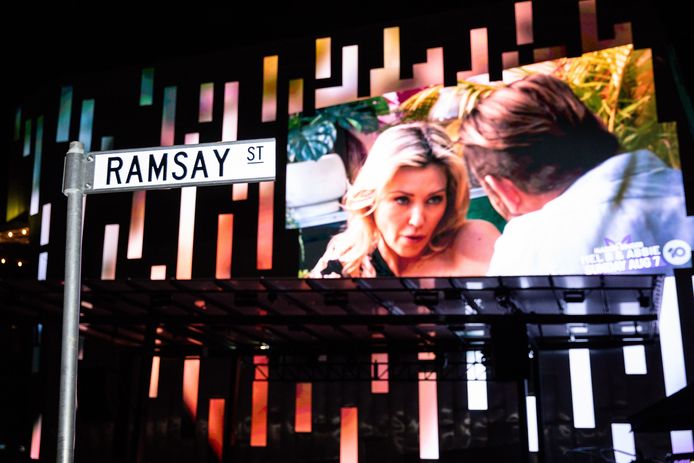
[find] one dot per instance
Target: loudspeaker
(509, 349)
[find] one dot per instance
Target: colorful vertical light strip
(168, 119)
(671, 348)
(225, 240)
(147, 87)
(476, 381)
(296, 96)
(206, 102)
(45, 224)
(270, 66)
(191, 379)
(379, 363)
(136, 233)
(681, 442)
(64, 114)
(531, 415)
(18, 123)
(87, 124)
(635, 360)
(323, 58)
(479, 54)
(215, 427)
(302, 417)
(110, 252)
(265, 225)
(623, 443)
(346, 92)
(35, 452)
(154, 378)
(672, 352)
(581, 388)
(27, 138)
(428, 412)
(157, 272)
(524, 22)
(36, 177)
(259, 399)
(186, 224)
(106, 143)
(349, 435)
(230, 122)
(42, 267)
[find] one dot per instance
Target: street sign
(139, 169)
(178, 166)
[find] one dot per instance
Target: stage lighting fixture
(574, 295)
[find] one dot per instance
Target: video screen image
(560, 168)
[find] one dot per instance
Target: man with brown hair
(574, 204)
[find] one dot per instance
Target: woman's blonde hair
(408, 145)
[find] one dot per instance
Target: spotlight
(574, 296)
(24, 231)
(19, 263)
(10, 234)
(2, 261)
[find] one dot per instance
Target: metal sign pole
(73, 184)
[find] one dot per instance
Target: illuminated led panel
(36, 177)
(322, 58)
(157, 272)
(379, 363)
(524, 23)
(147, 87)
(110, 252)
(137, 225)
(671, 348)
(186, 233)
(215, 427)
(106, 143)
(45, 224)
(531, 410)
(42, 267)
(302, 419)
(225, 239)
(64, 114)
(265, 225)
(296, 96)
(635, 360)
(87, 124)
(589, 29)
(270, 65)
(230, 120)
(259, 401)
(346, 92)
(206, 102)
(154, 378)
(349, 435)
(478, 54)
(35, 453)
(168, 119)
(623, 443)
(191, 378)
(27, 138)
(581, 388)
(476, 381)
(428, 417)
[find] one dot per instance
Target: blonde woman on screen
(407, 210)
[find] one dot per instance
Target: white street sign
(178, 166)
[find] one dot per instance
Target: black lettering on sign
(180, 154)
(115, 170)
(199, 165)
(221, 160)
(251, 158)
(157, 170)
(134, 170)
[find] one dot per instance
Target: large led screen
(560, 168)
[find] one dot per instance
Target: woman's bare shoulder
(476, 239)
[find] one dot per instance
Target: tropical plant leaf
(311, 141)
